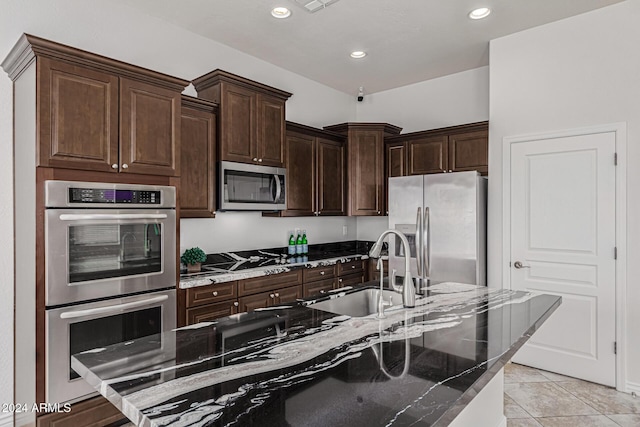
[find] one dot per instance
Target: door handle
(419, 243)
(520, 265)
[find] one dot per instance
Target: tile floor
(534, 398)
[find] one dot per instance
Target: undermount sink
(358, 304)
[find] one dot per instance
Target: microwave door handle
(278, 187)
(112, 308)
(80, 217)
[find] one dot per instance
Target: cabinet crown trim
(218, 76)
(450, 130)
(199, 104)
(29, 46)
(343, 128)
(311, 131)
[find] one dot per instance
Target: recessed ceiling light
(358, 54)
(280, 12)
(481, 12)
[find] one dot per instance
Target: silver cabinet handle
(114, 166)
(277, 295)
(125, 166)
(272, 296)
(450, 170)
(322, 273)
(353, 267)
(112, 308)
(520, 265)
(236, 304)
(378, 212)
(260, 160)
(215, 293)
(322, 291)
(340, 280)
(255, 159)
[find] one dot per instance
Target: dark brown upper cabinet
(315, 162)
(365, 166)
(452, 149)
(198, 158)
(99, 114)
(252, 117)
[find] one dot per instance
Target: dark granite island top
(299, 366)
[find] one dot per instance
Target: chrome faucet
(407, 289)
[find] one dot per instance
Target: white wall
(6, 236)
(122, 33)
(232, 231)
(578, 72)
(446, 101)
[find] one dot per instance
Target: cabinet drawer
(267, 283)
(350, 280)
(350, 267)
(318, 287)
(318, 273)
(212, 293)
(209, 312)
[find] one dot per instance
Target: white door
(563, 243)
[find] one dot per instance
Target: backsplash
(238, 231)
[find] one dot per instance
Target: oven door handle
(112, 308)
(79, 217)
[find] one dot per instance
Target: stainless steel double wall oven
(110, 273)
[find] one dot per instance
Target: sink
(358, 304)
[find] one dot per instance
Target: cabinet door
(469, 151)
(300, 164)
(237, 124)
(197, 164)
(331, 177)
(395, 161)
(209, 312)
(251, 302)
(317, 288)
(149, 129)
(366, 163)
(427, 155)
(287, 295)
(78, 117)
(271, 130)
(350, 280)
(94, 412)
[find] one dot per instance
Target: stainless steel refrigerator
(444, 219)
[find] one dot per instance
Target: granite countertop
(231, 266)
(298, 366)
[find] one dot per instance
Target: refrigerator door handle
(419, 243)
(426, 243)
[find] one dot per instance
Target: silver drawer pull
(322, 273)
(353, 267)
(272, 296)
(215, 293)
(277, 295)
(236, 304)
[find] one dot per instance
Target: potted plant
(192, 258)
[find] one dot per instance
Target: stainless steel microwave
(246, 187)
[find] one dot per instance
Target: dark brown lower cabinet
(317, 288)
(209, 312)
(270, 298)
(94, 412)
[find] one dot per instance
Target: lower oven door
(71, 330)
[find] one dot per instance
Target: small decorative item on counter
(193, 258)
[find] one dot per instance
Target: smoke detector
(315, 5)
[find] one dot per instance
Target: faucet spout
(408, 291)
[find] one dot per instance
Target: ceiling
(406, 41)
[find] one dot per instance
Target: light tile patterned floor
(535, 398)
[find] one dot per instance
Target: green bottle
(292, 244)
(299, 245)
(305, 244)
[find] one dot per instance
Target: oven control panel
(109, 196)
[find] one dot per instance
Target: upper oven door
(252, 187)
(94, 253)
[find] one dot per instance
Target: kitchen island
(298, 366)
